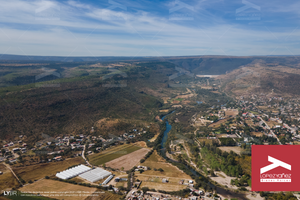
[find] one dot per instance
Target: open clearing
(111, 154)
(141, 144)
(128, 161)
(153, 179)
(158, 179)
(257, 134)
(60, 188)
(233, 112)
(155, 161)
(223, 179)
(236, 150)
(35, 172)
(163, 186)
(154, 138)
(218, 123)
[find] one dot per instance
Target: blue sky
(149, 28)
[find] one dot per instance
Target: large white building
(95, 174)
(73, 172)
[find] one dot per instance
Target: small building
(57, 158)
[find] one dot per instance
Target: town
(232, 127)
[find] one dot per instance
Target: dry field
(60, 188)
(163, 186)
(7, 179)
(218, 123)
(237, 150)
(128, 161)
(165, 99)
(184, 96)
(154, 138)
(249, 122)
(155, 161)
(158, 179)
(164, 111)
(272, 123)
(223, 179)
(233, 112)
(35, 172)
(141, 144)
(257, 134)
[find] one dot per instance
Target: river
(221, 191)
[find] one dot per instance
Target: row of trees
(146, 156)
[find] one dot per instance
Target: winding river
(221, 191)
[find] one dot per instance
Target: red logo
(275, 168)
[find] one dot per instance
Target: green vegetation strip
(101, 158)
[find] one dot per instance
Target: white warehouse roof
(95, 174)
(72, 172)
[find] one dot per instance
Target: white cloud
(83, 30)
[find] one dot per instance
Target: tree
(160, 169)
(145, 189)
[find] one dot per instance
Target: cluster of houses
(284, 114)
(63, 143)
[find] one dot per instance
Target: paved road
(273, 134)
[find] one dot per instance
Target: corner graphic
(275, 177)
(275, 168)
(275, 163)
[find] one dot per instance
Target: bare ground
(128, 161)
(236, 150)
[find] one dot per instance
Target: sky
(149, 28)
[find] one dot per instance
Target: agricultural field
(128, 161)
(38, 171)
(7, 179)
(111, 154)
(60, 188)
(236, 150)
